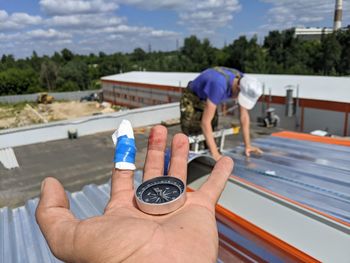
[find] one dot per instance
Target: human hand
(217, 156)
(249, 149)
(123, 232)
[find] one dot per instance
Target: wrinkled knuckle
(124, 174)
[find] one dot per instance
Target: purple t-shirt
(212, 85)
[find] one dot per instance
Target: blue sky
(90, 26)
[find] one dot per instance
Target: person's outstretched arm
(208, 115)
(123, 232)
(245, 123)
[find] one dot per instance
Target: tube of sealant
(125, 149)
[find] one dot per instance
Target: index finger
(154, 164)
(179, 157)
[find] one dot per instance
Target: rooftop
(310, 87)
(313, 174)
(310, 173)
(76, 163)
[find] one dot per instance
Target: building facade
(319, 103)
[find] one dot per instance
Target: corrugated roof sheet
(20, 237)
(311, 173)
(22, 241)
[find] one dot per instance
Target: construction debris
(36, 113)
(24, 114)
(171, 122)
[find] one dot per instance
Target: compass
(160, 195)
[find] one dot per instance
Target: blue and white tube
(125, 148)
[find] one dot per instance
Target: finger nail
(42, 185)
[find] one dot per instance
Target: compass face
(160, 190)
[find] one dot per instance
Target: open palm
(124, 233)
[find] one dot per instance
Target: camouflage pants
(191, 111)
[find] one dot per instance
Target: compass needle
(161, 195)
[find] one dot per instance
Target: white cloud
(3, 15)
(93, 25)
(125, 29)
(198, 15)
(85, 21)
(44, 42)
(207, 16)
(50, 34)
(115, 37)
(135, 31)
(9, 37)
(68, 7)
(17, 20)
(164, 33)
(292, 13)
(156, 4)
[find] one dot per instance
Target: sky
(91, 26)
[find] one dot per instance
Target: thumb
(216, 182)
(55, 220)
(247, 152)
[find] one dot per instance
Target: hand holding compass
(124, 232)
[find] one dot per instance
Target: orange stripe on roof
(231, 254)
(290, 200)
(311, 138)
(298, 255)
(227, 217)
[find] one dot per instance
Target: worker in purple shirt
(198, 104)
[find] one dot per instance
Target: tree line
(280, 53)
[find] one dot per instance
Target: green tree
(73, 72)
(48, 74)
(274, 44)
(67, 55)
(138, 55)
(18, 81)
(114, 64)
(246, 55)
(256, 58)
(8, 61)
(35, 61)
(237, 53)
(343, 38)
(57, 58)
(200, 55)
(331, 51)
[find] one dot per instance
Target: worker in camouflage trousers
(199, 101)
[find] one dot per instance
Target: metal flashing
(87, 125)
(8, 158)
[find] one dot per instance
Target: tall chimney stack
(338, 14)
